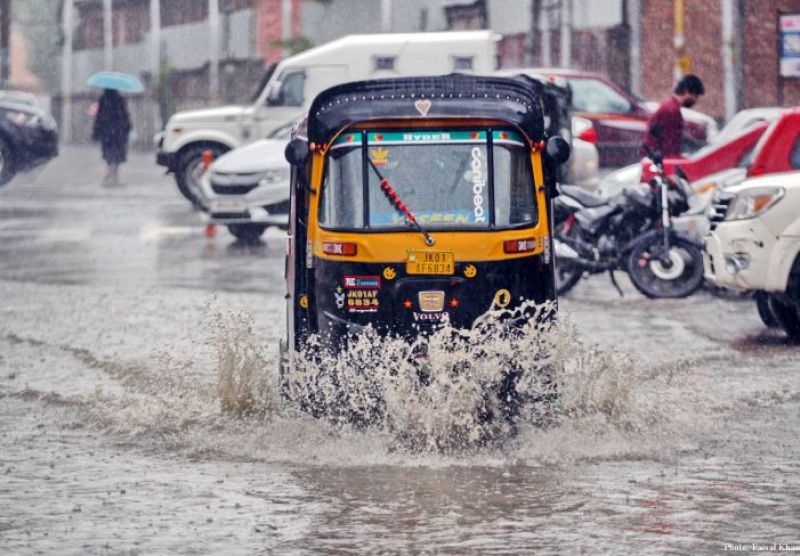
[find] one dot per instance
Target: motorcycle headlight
(23, 118)
(753, 202)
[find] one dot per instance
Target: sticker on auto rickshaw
(430, 262)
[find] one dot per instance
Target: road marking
(65, 235)
(153, 232)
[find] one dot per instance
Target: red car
(765, 147)
(778, 150)
(719, 155)
(619, 118)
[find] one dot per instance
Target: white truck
(295, 82)
(754, 245)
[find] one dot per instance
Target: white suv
(754, 245)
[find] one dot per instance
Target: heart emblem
(423, 106)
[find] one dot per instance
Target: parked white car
(754, 245)
(247, 189)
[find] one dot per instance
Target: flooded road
(680, 431)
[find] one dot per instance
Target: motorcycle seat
(586, 198)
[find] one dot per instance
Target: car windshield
(591, 95)
(447, 179)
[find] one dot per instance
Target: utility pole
(634, 18)
(286, 26)
(683, 64)
(5, 42)
(566, 33)
(730, 58)
(155, 59)
(66, 74)
(547, 55)
(386, 16)
(108, 36)
(213, 54)
(155, 38)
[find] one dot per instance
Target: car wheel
(788, 315)
(7, 170)
(764, 307)
(190, 171)
(247, 233)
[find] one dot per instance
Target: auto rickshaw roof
(514, 100)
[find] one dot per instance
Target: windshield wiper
(391, 194)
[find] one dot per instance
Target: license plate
(231, 205)
(430, 262)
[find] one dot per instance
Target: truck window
(291, 92)
(462, 63)
(384, 63)
(794, 159)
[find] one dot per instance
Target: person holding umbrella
(112, 125)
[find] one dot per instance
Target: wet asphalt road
(682, 438)
(60, 224)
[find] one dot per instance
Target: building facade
(196, 53)
(733, 45)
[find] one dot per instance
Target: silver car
(247, 189)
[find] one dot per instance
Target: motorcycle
(631, 231)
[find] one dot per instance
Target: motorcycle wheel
(681, 276)
(567, 272)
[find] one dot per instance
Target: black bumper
(34, 146)
(169, 160)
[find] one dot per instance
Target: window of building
(234, 5)
(180, 12)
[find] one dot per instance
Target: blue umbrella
(114, 80)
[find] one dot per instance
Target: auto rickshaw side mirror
(296, 152)
(558, 150)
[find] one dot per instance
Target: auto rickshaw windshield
(448, 179)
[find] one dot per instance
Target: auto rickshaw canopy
(513, 100)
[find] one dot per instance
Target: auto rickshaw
(418, 201)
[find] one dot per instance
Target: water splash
(472, 390)
(224, 397)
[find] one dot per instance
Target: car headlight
(273, 176)
(753, 202)
(23, 118)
